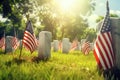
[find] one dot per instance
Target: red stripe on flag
(86, 48)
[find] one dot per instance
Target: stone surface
(55, 45)
(8, 45)
(115, 23)
(65, 45)
(44, 48)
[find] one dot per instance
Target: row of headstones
(45, 38)
(65, 45)
(44, 48)
(56, 45)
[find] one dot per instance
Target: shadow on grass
(37, 59)
(21, 60)
(15, 61)
(2, 52)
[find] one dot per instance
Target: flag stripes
(2, 42)
(15, 43)
(86, 47)
(29, 40)
(74, 45)
(103, 49)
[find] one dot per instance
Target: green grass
(72, 66)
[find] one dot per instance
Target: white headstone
(55, 45)
(44, 48)
(115, 23)
(82, 41)
(8, 45)
(65, 45)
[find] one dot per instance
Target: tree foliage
(48, 15)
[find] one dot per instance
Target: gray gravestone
(65, 45)
(44, 48)
(55, 45)
(8, 45)
(115, 23)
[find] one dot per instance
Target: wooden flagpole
(27, 16)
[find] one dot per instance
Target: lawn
(72, 66)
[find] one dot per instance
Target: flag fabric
(103, 49)
(60, 45)
(29, 39)
(74, 45)
(15, 43)
(2, 41)
(86, 47)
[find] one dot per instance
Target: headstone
(8, 45)
(82, 41)
(55, 45)
(65, 45)
(44, 48)
(115, 23)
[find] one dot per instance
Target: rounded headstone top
(113, 21)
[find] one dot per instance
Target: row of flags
(2, 43)
(85, 46)
(103, 49)
(29, 40)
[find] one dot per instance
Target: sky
(100, 10)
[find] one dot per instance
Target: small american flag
(74, 45)
(60, 45)
(2, 41)
(86, 47)
(15, 43)
(103, 49)
(29, 40)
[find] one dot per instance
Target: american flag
(86, 47)
(2, 41)
(15, 43)
(29, 40)
(60, 45)
(103, 49)
(74, 45)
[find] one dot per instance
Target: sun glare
(66, 4)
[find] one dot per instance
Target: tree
(48, 15)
